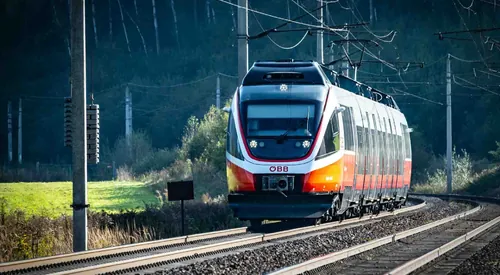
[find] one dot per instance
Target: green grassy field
(54, 198)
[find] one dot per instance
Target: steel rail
(103, 252)
(254, 239)
(431, 255)
(413, 264)
(351, 251)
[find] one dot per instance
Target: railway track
(421, 250)
(129, 258)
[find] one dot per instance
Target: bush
(485, 183)
(25, 237)
(462, 175)
(155, 161)
(140, 147)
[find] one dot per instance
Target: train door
(380, 136)
(400, 169)
(392, 159)
(386, 159)
(350, 137)
(360, 154)
(369, 156)
(376, 155)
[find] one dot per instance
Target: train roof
(309, 72)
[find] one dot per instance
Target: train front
(274, 123)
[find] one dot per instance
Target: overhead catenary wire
(467, 28)
(274, 42)
(279, 18)
(417, 96)
(379, 37)
(477, 86)
(368, 52)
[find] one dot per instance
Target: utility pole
(449, 165)
(128, 116)
(78, 81)
(319, 37)
(9, 130)
(242, 39)
(217, 100)
(20, 133)
(345, 63)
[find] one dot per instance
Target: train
(305, 142)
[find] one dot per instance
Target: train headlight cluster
(306, 144)
(253, 144)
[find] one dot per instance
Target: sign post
(180, 191)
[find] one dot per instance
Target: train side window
(391, 150)
(401, 153)
(232, 146)
(348, 129)
(331, 140)
(360, 157)
(407, 143)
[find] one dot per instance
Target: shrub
(462, 175)
(155, 161)
(24, 237)
(485, 183)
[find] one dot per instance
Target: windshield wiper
(281, 138)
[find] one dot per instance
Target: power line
(277, 17)
(354, 45)
(172, 86)
(479, 87)
(274, 42)
(467, 28)
(379, 37)
(416, 96)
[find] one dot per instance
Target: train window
(407, 143)
(360, 157)
(376, 145)
(331, 140)
(391, 150)
(232, 139)
(348, 129)
(369, 145)
(272, 120)
(402, 154)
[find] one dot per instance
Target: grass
(54, 198)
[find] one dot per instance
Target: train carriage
(304, 142)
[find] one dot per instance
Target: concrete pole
(242, 40)
(319, 37)
(9, 131)
(217, 100)
(449, 164)
(78, 81)
(20, 133)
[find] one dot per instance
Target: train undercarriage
(326, 207)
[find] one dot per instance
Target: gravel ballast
(273, 257)
(485, 261)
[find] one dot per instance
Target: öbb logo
(278, 169)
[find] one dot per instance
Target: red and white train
(304, 142)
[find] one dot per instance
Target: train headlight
(306, 144)
(253, 144)
(297, 144)
(261, 144)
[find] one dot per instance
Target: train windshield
(273, 120)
